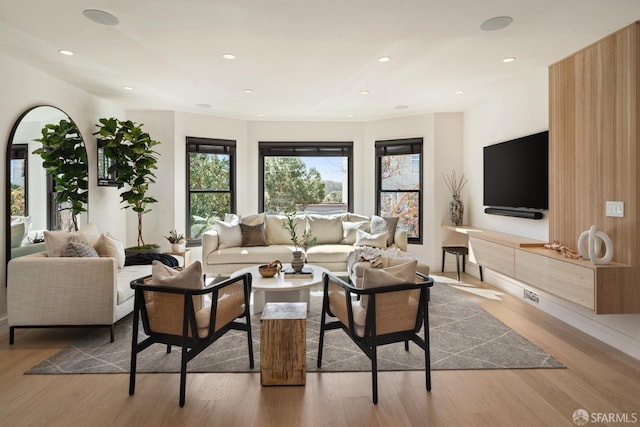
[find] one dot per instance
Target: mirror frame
(7, 201)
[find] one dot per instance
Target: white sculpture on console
(593, 239)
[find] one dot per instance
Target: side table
(185, 255)
(283, 359)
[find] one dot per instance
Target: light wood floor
(598, 379)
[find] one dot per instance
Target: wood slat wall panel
(593, 136)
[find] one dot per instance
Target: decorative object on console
(133, 158)
(271, 269)
(456, 207)
(564, 250)
(594, 238)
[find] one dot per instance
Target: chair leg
(168, 348)
(443, 252)
(112, 333)
(134, 346)
(458, 266)
(321, 337)
(11, 334)
(374, 374)
(464, 259)
(183, 375)
(406, 345)
(249, 339)
(481, 277)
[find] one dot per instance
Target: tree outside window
(305, 177)
(211, 184)
(399, 184)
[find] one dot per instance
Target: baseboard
(574, 315)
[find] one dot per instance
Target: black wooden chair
(172, 316)
(393, 314)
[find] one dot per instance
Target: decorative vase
(297, 263)
(456, 210)
(177, 247)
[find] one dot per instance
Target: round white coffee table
(282, 287)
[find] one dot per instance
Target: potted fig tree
(134, 161)
(64, 157)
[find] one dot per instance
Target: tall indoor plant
(133, 162)
(64, 157)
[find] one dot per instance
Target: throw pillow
(78, 248)
(189, 277)
(395, 275)
(55, 241)
(327, 229)
(90, 233)
(253, 235)
(110, 246)
(349, 231)
(275, 232)
(229, 234)
(374, 240)
(17, 234)
(254, 219)
(384, 225)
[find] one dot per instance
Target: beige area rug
(463, 336)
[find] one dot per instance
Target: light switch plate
(615, 209)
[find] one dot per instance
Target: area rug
(463, 336)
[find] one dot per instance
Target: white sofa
(222, 252)
(45, 291)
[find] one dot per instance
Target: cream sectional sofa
(337, 237)
(58, 291)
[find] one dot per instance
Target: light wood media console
(605, 289)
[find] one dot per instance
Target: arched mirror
(43, 138)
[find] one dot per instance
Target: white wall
(517, 109)
(24, 87)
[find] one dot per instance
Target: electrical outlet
(615, 209)
(532, 296)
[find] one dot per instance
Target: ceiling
(303, 60)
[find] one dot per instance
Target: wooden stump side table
(283, 359)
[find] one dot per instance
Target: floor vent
(532, 296)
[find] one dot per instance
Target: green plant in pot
(133, 162)
(64, 157)
(306, 240)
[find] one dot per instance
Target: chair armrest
(210, 243)
(58, 290)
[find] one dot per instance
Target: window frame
(305, 149)
(19, 152)
(213, 146)
(393, 147)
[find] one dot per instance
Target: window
(210, 184)
(306, 177)
(399, 184)
(18, 167)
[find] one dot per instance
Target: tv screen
(516, 173)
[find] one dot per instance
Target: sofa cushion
(324, 254)
(124, 278)
(326, 229)
(229, 234)
(254, 255)
(253, 235)
(349, 231)
(277, 234)
(77, 248)
(374, 240)
(386, 225)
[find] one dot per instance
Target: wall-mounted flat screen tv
(516, 173)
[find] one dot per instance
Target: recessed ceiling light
(364, 92)
(229, 56)
(248, 91)
(129, 88)
(203, 105)
(459, 92)
(384, 59)
(66, 52)
(100, 17)
(497, 23)
(509, 59)
(401, 107)
(260, 114)
(350, 115)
